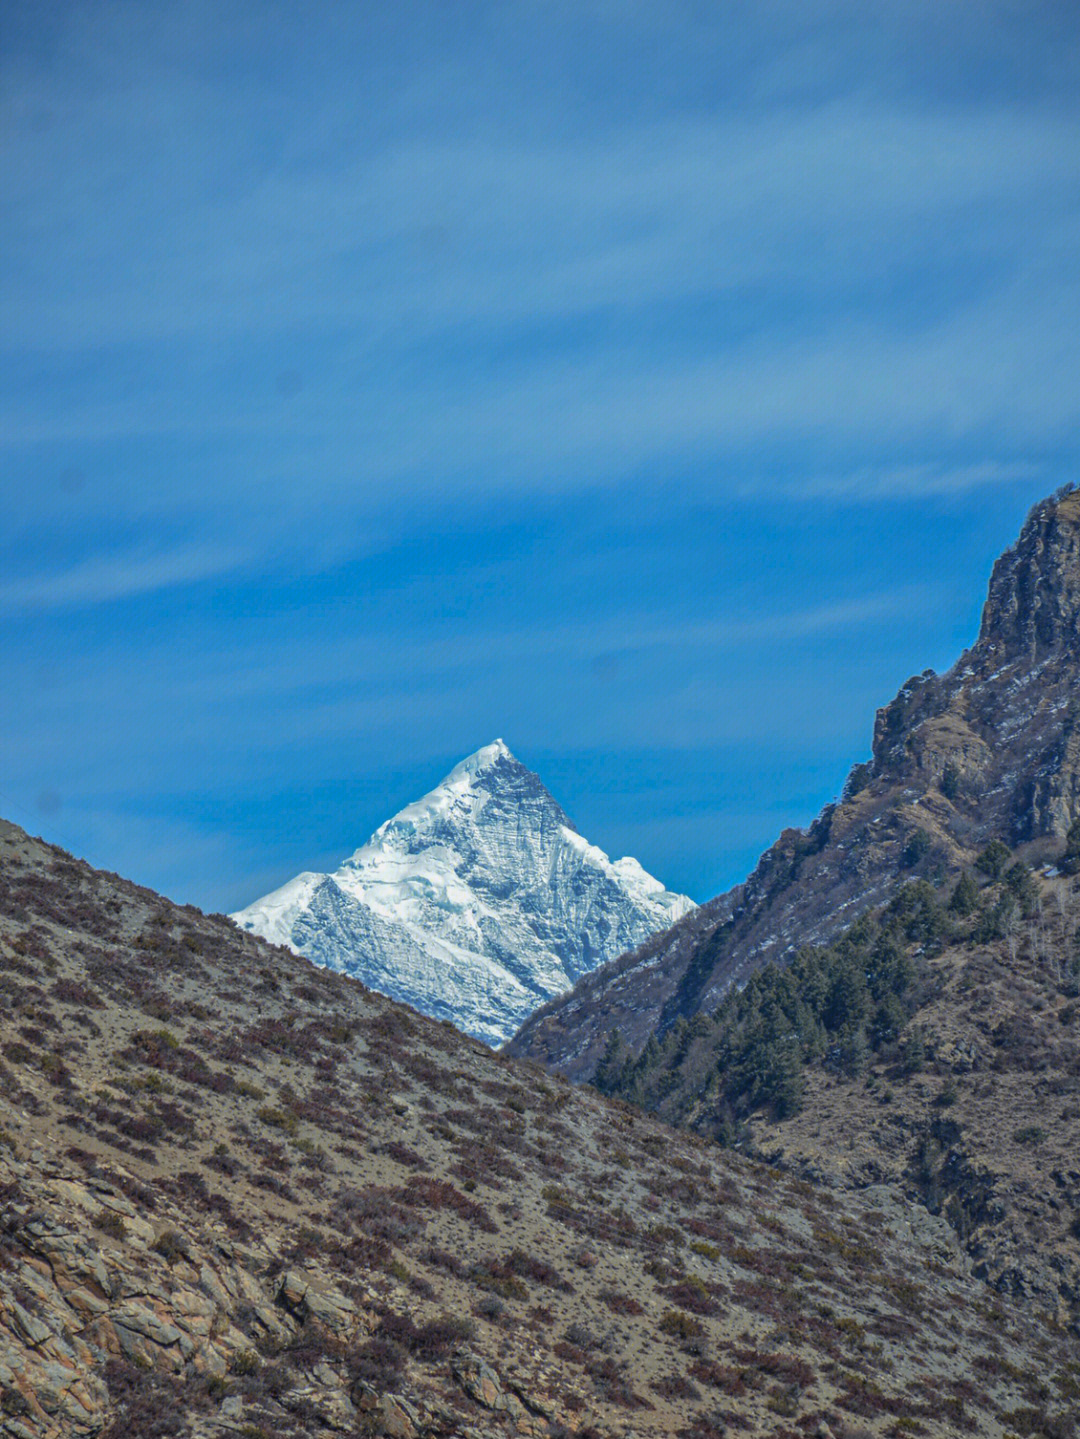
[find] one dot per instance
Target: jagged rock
(531, 1401)
(270, 1323)
(193, 1312)
(960, 1056)
(479, 1381)
(72, 1261)
(327, 1400)
(364, 1397)
(211, 1285)
(291, 1294)
(141, 1320)
(303, 1297)
(30, 1329)
(386, 1414)
(331, 1308)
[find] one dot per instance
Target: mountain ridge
(475, 903)
(934, 1044)
(991, 749)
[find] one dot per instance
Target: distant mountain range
(475, 904)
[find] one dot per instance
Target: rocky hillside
(474, 904)
(936, 1046)
(990, 750)
(240, 1195)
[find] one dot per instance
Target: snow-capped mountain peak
(484, 758)
(467, 787)
(476, 903)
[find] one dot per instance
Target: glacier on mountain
(475, 904)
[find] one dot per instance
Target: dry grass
(197, 1106)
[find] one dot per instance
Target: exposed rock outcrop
(990, 750)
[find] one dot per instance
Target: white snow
(477, 903)
(279, 911)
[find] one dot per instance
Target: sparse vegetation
(386, 1214)
(833, 1006)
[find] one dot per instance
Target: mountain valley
(824, 1181)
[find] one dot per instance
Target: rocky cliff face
(475, 904)
(990, 750)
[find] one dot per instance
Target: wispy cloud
(996, 376)
(444, 302)
(101, 580)
(290, 687)
(417, 237)
(873, 485)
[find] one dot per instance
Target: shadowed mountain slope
(935, 1045)
(990, 750)
(240, 1195)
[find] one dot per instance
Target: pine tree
(1070, 862)
(854, 1051)
(993, 859)
(914, 1051)
(965, 896)
(1021, 883)
(609, 1072)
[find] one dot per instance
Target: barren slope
(239, 1195)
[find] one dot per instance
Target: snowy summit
(475, 904)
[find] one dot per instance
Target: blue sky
(650, 384)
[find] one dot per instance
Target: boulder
(479, 1381)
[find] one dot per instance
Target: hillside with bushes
(243, 1196)
(935, 1045)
